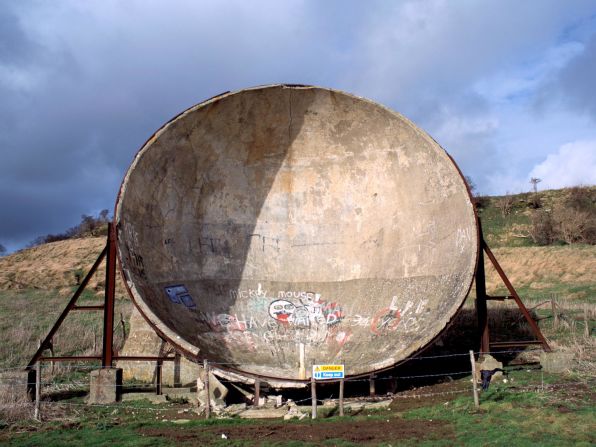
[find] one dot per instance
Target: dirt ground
(360, 432)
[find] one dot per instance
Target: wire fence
(49, 387)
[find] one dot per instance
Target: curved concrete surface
(278, 226)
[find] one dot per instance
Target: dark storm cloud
(84, 84)
(576, 82)
(91, 85)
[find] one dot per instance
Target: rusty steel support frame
(482, 298)
(107, 352)
(107, 356)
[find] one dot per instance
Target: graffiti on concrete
(178, 294)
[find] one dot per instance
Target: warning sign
(326, 372)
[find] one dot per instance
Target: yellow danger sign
(331, 367)
(322, 372)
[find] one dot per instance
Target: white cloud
(573, 164)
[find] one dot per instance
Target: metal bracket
(107, 353)
(482, 298)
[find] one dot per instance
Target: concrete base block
(556, 362)
(105, 386)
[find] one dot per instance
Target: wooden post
(257, 392)
(371, 385)
(553, 306)
(474, 388)
(158, 380)
(37, 413)
(208, 398)
(586, 323)
(313, 395)
(341, 397)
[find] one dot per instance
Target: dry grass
(14, 405)
(54, 266)
(27, 315)
(543, 267)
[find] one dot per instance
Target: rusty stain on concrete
(281, 216)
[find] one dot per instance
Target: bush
(543, 228)
(573, 220)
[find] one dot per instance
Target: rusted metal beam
(147, 358)
(513, 292)
(47, 341)
(513, 344)
(132, 358)
(481, 307)
(69, 358)
(107, 352)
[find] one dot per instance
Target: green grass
(507, 419)
(508, 415)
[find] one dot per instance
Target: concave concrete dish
(281, 226)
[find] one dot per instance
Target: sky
(508, 88)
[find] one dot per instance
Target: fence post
(586, 323)
(37, 413)
(208, 398)
(341, 397)
(474, 388)
(313, 395)
(553, 306)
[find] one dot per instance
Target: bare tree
(471, 185)
(535, 202)
(104, 216)
(534, 181)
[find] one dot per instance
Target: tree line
(89, 226)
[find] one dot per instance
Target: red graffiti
(385, 320)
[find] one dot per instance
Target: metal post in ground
(107, 352)
(341, 397)
(208, 398)
(474, 388)
(313, 395)
(158, 377)
(37, 413)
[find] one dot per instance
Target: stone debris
(217, 391)
(264, 413)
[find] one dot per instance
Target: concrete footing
(105, 386)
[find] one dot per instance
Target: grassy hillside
(36, 284)
(507, 221)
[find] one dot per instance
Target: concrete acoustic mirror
(278, 226)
